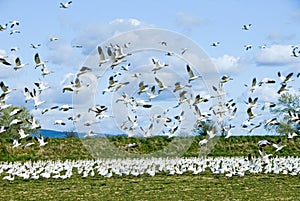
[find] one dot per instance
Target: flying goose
(4, 61)
(191, 74)
(246, 27)
(19, 65)
(65, 5)
(160, 84)
(13, 23)
(215, 44)
(102, 56)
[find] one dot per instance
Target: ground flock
(228, 166)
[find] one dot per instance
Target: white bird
(14, 23)
(248, 47)
(14, 31)
(48, 109)
(19, 65)
(13, 49)
(15, 122)
(3, 129)
(152, 94)
(203, 142)
(160, 84)
(290, 135)
(35, 46)
(42, 142)
(65, 5)
(65, 107)
(16, 143)
(22, 134)
(89, 134)
(3, 27)
(15, 111)
(191, 74)
(41, 86)
(158, 65)
(4, 61)
(102, 56)
(246, 27)
(36, 98)
(33, 123)
(215, 44)
(131, 146)
(179, 87)
(5, 88)
(285, 79)
(142, 88)
(53, 39)
(251, 115)
(38, 61)
(59, 122)
(45, 70)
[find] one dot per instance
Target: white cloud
(275, 55)
(226, 63)
(188, 21)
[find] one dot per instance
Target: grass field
(203, 186)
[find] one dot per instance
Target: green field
(204, 186)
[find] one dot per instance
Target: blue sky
(89, 23)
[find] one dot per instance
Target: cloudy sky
(90, 23)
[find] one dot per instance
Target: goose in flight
(102, 56)
(38, 61)
(49, 109)
(3, 27)
(22, 134)
(15, 111)
(203, 142)
(191, 74)
(266, 81)
(53, 39)
(285, 79)
(158, 65)
(41, 140)
(5, 88)
(45, 70)
(41, 86)
(179, 87)
(13, 49)
(59, 122)
(283, 88)
(36, 99)
(142, 88)
(215, 44)
(19, 65)
(253, 85)
(248, 47)
(65, 5)
(33, 123)
(152, 94)
(35, 46)
(251, 115)
(246, 27)
(14, 23)
(160, 85)
(14, 31)
(4, 61)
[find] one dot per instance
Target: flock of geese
(228, 166)
(115, 56)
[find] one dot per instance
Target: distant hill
(52, 133)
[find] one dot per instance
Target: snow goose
(59, 122)
(246, 27)
(215, 44)
(4, 61)
(14, 23)
(19, 65)
(191, 74)
(65, 5)
(35, 46)
(102, 56)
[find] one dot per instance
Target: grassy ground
(204, 186)
(74, 148)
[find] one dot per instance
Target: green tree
(287, 104)
(12, 130)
